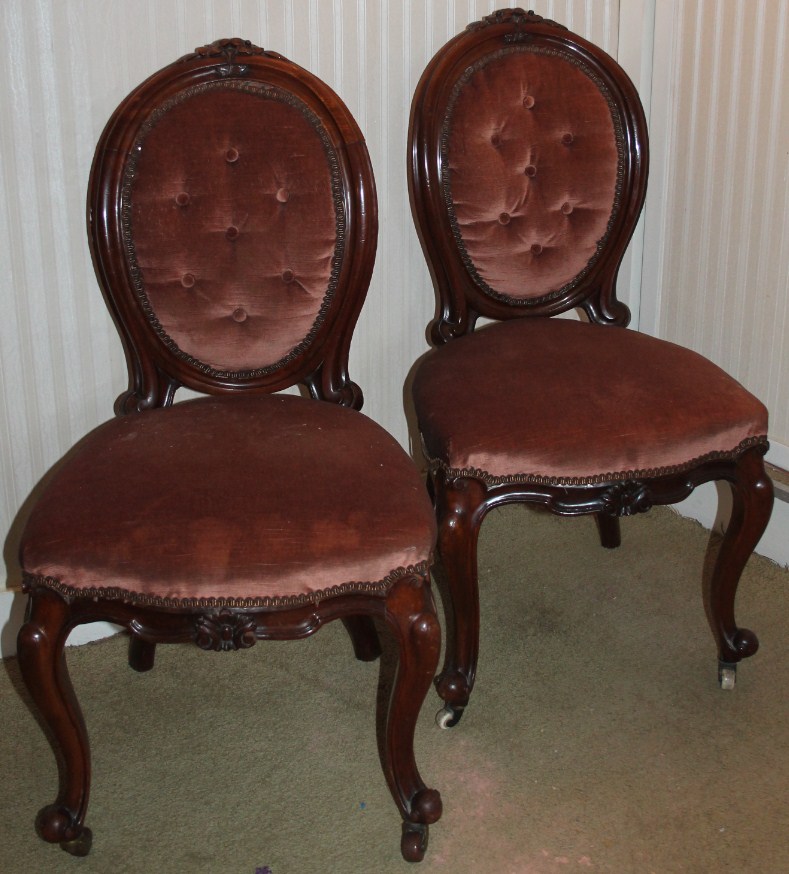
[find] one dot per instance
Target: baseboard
(12, 615)
(710, 504)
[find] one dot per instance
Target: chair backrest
(233, 223)
(528, 167)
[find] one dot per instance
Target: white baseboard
(12, 615)
(702, 505)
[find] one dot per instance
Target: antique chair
(233, 223)
(528, 169)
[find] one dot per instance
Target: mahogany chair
(233, 223)
(528, 169)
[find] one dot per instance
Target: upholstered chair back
(234, 223)
(529, 153)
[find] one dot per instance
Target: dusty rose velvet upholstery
(234, 240)
(642, 407)
(531, 180)
(528, 169)
(232, 523)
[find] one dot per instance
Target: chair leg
(42, 663)
(364, 637)
(410, 612)
(610, 533)
(752, 495)
(460, 508)
(142, 654)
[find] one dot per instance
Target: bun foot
(413, 843)
(56, 825)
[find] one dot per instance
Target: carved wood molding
(230, 49)
(627, 499)
(225, 631)
(517, 17)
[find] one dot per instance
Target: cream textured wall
(716, 267)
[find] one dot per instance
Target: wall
(716, 252)
(67, 63)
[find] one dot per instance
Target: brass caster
(727, 675)
(413, 843)
(448, 716)
(79, 846)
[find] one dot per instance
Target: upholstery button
(231, 156)
(567, 208)
(495, 140)
(504, 218)
(231, 233)
(530, 170)
(287, 276)
(239, 314)
(536, 249)
(283, 195)
(182, 198)
(567, 139)
(187, 280)
(528, 101)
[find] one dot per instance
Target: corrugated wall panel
(717, 277)
(65, 66)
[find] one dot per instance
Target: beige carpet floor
(597, 739)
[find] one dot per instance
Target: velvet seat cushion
(233, 498)
(560, 401)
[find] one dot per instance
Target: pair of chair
(232, 220)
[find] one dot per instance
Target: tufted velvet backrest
(528, 172)
(232, 219)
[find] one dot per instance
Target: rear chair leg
(460, 508)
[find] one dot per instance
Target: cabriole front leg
(42, 663)
(411, 613)
(460, 506)
(752, 497)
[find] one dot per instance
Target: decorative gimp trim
(115, 593)
(596, 479)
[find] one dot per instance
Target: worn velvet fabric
(233, 224)
(257, 497)
(531, 158)
(559, 400)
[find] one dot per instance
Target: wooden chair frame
(462, 499)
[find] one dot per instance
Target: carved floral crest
(627, 499)
(230, 50)
(225, 631)
(517, 17)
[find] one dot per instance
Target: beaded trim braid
(489, 479)
(139, 599)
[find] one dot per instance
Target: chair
(528, 168)
(233, 223)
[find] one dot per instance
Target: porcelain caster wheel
(79, 846)
(413, 844)
(727, 675)
(448, 716)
